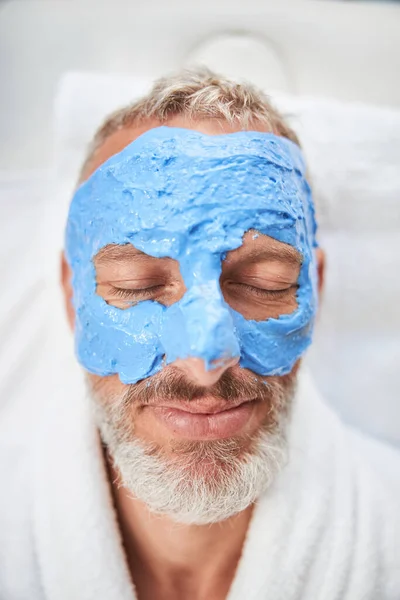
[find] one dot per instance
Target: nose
(199, 335)
(195, 369)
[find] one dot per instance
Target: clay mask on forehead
(182, 194)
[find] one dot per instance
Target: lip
(206, 419)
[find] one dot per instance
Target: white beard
(206, 482)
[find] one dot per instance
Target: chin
(198, 482)
(195, 481)
(214, 459)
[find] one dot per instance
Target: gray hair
(175, 483)
(196, 94)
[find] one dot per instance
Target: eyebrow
(284, 253)
(115, 253)
(119, 253)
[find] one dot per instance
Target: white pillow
(353, 153)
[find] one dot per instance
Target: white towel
(327, 529)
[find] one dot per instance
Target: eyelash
(150, 291)
(266, 293)
(126, 293)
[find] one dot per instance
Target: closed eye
(262, 292)
(136, 293)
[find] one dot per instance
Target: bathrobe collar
(78, 542)
(79, 545)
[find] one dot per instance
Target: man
(191, 277)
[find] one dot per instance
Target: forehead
(175, 186)
(119, 139)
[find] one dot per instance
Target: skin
(169, 561)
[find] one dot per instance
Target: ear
(66, 284)
(320, 256)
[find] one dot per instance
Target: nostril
(196, 369)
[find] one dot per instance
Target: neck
(172, 560)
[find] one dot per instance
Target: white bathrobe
(327, 529)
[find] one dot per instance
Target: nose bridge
(209, 326)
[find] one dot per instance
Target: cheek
(139, 421)
(107, 389)
(149, 429)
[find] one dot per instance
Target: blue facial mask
(181, 194)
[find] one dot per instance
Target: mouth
(206, 419)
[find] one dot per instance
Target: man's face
(259, 280)
(221, 427)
